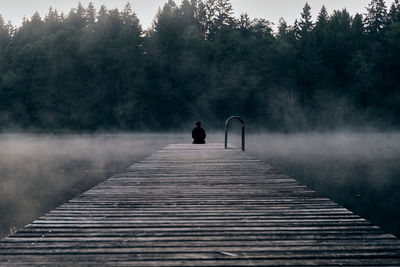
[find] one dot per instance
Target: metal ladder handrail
(243, 131)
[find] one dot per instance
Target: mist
(40, 172)
(358, 170)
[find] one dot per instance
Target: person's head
(198, 124)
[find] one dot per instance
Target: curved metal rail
(243, 131)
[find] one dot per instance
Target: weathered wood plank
(200, 205)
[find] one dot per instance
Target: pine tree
(188, 12)
(208, 14)
(166, 18)
(322, 17)
(224, 13)
(4, 34)
(102, 16)
(80, 12)
(244, 24)
(357, 23)
(51, 16)
(10, 28)
(261, 28)
(36, 19)
(77, 17)
(320, 25)
(320, 30)
(283, 28)
(33, 29)
(90, 13)
(357, 29)
(52, 21)
(296, 29)
(216, 15)
(130, 19)
(394, 12)
(376, 18)
(305, 23)
(1, 21)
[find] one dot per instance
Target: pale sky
(271, 10)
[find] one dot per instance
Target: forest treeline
(99, 70)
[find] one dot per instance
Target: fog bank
(40, 172)
(358, 170)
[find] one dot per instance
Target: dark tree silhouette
(97, 69)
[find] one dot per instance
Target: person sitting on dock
(198, 134)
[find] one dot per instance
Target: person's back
(198, 134)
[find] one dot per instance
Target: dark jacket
(199, 135)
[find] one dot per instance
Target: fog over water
(361, 171)
(40, 172)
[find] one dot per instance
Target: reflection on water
(38, 173)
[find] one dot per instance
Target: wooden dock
(200, 205)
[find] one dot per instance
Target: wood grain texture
(200, 205)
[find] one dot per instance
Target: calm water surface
(361, 171)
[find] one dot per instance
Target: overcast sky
(272, 10)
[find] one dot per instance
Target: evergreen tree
(338, 45)
(296, 29)
(376, 18)
(261, 28)
(98, 70)
(130, 19)
(320, 27)
(358, 31)
(305, 24)
(283, 28)
(11, 29)
(90, 13)
(224, 16)
(102, 16)
(30, 31)
(4, 34)
(52, 21)
(394, 12)
(189, 12)
(244, 22)
(322, 17)
(167, 16)
(77, 17)
(216, 15)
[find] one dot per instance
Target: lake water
(360, 171)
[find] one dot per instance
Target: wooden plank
(200, 205)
